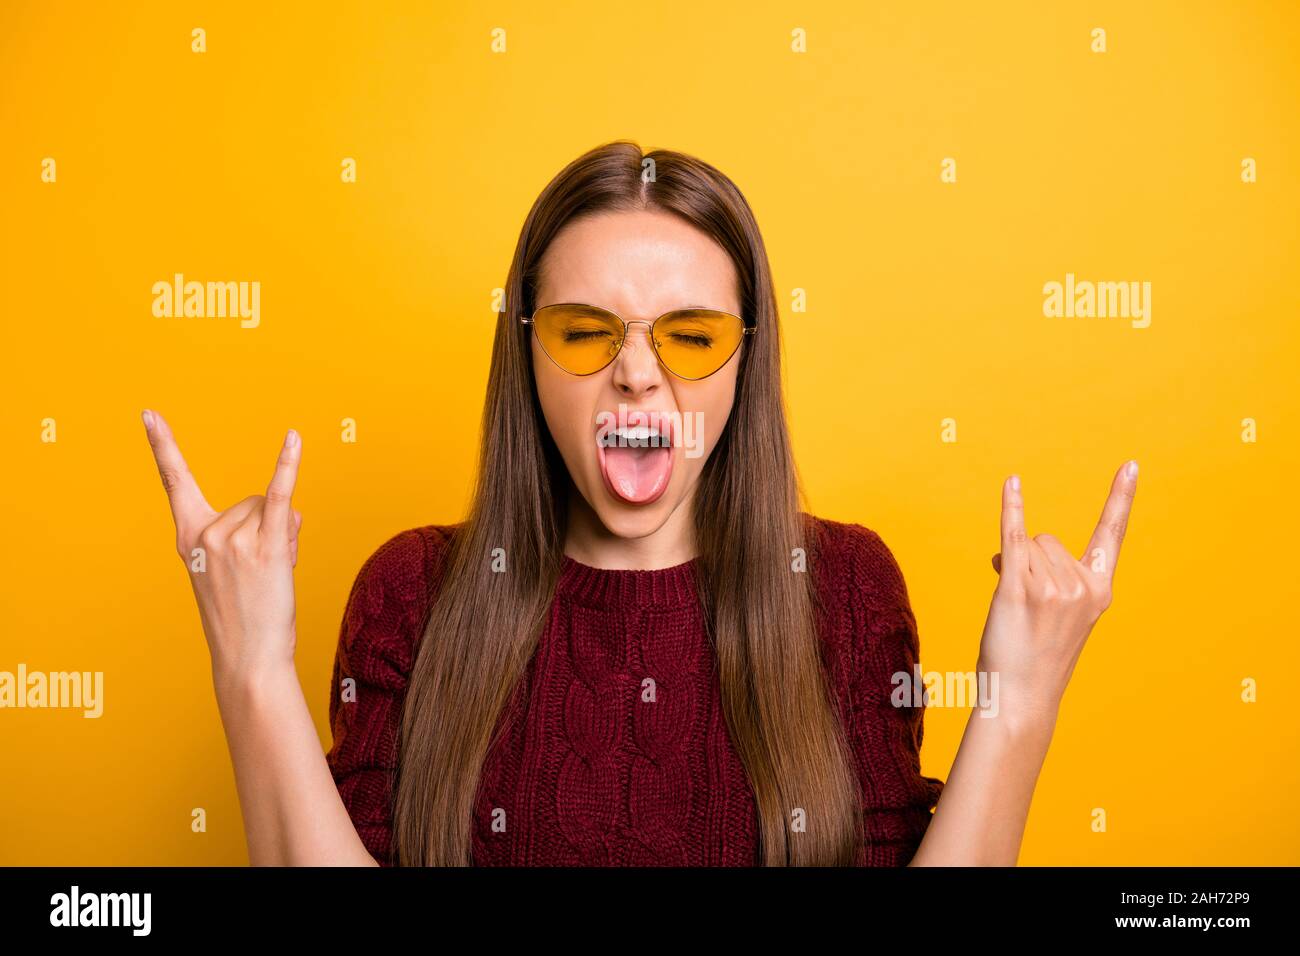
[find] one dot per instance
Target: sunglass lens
(580, 339)
(695, 343)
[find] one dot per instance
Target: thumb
(997, 563)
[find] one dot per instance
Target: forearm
(293, 815)
(981, 814)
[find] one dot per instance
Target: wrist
(245, 682)
(1024, 711)
(1026, 724)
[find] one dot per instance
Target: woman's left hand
(1047, 602)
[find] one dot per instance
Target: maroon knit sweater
(586, 773)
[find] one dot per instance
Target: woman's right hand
(240, 561)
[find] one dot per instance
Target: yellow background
(924, 302)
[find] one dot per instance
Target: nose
(637, 370)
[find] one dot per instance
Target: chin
(633, 521)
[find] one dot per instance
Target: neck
(588, 540)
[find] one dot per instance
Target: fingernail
(1133, 468)
(147, 417)
(291, 439)
(1015, 482)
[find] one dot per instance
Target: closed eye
(584, 335)
(697, 340)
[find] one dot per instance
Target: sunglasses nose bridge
(627, 334)
(627, 329)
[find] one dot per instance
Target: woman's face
(637, 265)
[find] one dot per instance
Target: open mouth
(636, 460)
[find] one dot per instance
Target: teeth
(639, 436)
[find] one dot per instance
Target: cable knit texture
(585, 772)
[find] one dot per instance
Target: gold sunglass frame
(746, 329)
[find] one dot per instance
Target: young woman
(636, 649)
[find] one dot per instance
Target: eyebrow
(602, 308)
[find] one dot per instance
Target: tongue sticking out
(637, 475)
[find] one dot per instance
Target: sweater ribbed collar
(620, 588)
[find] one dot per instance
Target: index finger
(1103, 548)
(188, 505)
(277, 516)
(1014, 559)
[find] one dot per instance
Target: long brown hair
(483, 627)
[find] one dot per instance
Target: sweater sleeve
(882, 641)
(378, 638)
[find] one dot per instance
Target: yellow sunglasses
(691, 343)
